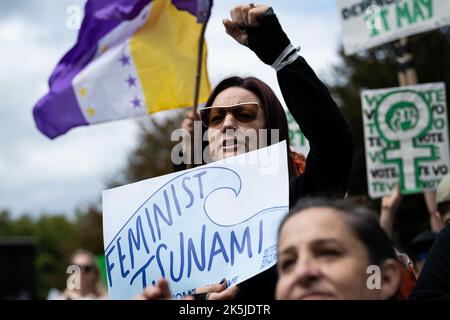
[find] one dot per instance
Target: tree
(56, 238)
(152, 155)
(89, 230)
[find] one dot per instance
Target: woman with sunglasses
(246, 104)
(85, 282)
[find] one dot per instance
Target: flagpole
(203, 16)
(204, 13)
(198, 79)
(198, 75)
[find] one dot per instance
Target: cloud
(13, 7)
(40, 175)
(59, 175)
(37, 174)
(314, 29)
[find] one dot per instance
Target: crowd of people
(328, 247)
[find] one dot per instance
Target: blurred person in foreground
(434, 280)
(331, 249)
(85, 283)
(328, 250)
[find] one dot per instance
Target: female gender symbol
(402, 116)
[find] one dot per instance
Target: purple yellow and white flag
(132, 58)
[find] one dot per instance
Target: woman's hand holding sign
(160, 291)
(219, 291)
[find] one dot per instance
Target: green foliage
(56, 237)
(152, 155)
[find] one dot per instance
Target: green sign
(406, 138)
(370, 23)
(296, 137)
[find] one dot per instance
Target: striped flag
(132, 58)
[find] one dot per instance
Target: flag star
(136, 102)
(90, 112)
(125, 60)
(131, 81)
(82, 92)
(104, 49)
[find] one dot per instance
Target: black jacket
(328, 163)
(434, 280)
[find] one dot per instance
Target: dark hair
(274, 113)
(83, 252)
(361, 220)
(443, 208)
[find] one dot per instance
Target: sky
(39, 175)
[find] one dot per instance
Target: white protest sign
(197, 226)
(406, 138)
(370, 23)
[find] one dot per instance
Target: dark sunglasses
(87, 268)
(243, 112)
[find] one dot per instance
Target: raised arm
(307, 98)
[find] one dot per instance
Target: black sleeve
(260, 287)
(434, 280)
(329, 160)
(331, 147)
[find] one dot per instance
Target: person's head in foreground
(331, 249)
